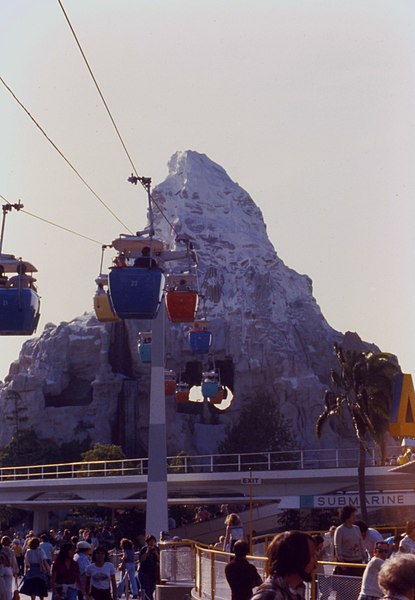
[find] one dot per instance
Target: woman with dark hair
(397, 577)
(100, 576)
(34, 580)
(348, 543)
(148, 571)
(127, 564)
(291, 558)
(65, 574)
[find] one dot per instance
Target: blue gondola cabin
(200, 338)
(137, 290)
(19, 300)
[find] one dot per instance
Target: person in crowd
(397, 577)
(65, 581)
(202, 514)
(36, 567)
(407, 543)
(100, 576)
(172, 521)
(370, 589)
(393, 544)
(234, 532)
(29, 536)
(81, 556)
(17, 548)
(319, 547)
(127, 564)
(370, 537)
(328, 544)
(324, 581)
(4, 595)
(93, 539)
(291, 559)
(107, 539)
(348, 542)
(12, 571)
(219, 544)
(240, 574)
(47, 548)
(148, 571)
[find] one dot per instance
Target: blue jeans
(130, 568)
(71, 593)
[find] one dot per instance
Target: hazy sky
(307, 104)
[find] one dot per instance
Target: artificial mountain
(84, 378)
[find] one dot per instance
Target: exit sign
(253, 480)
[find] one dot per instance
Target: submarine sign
(372, 500)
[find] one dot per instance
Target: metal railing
(208, 463)
(178, 562)
(210, 581)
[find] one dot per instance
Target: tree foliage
(261, 427)
(26, 448)
(103, 452)
(363, 388)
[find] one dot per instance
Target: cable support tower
(50, 222)
(62, 155)
(135, 177)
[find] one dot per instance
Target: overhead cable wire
(97, 86)
(109, 113)
(62, 155)
(55, 224)
(61, 227)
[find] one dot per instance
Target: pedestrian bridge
(288, 478)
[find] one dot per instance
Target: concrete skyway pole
(157, 495)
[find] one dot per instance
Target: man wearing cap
(82, 557)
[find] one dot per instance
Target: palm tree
(364, 392)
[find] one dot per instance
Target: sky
(307, 104)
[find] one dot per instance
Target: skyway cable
(62, 155)
(110, 115)
(55, 224)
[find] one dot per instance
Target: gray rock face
(269, 336)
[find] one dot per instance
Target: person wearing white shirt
(370, 589)
(370, 537)
(348, 542)
(407, 544)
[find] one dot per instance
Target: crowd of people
(387, 568)
(292, 560)
(77, 566)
